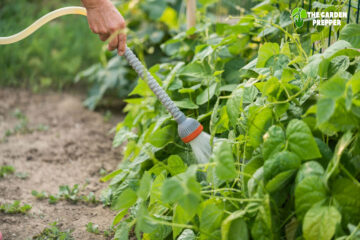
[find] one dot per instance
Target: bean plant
(285, 119)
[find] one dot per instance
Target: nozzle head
(189, 129)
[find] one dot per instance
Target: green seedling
(53, 232)
(92, 228)
(15, 207)
(67, 193)
(6, 170)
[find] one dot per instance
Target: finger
(122, 44)
(103, 37)
(113, 43)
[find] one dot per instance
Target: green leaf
(325, 151)
(156, 188)
(354, 82)
(210, 218)
(223, 157)
(310, 168)
(255, 180)
(195, 72)
(301, 141)
(271, 88)
(123, 135)
(206, 95)
(342, 144)
(145, 186)
(144, 222)
(203, 53)
(184, 189)
(234, 227)
(126, 199)
(180, 217)
(280, 162)
(266, 51)
(274, 142)
(176, 165)
(111, 175)
(339, 63)
(163, 136)
(312, 68)
(172, 190)
(187, 234)
(259, 121)
(234, 105)
(122, 231)
(325, 108)
(351, 33)
(336, 47)
(239, 97)
(160, 232)
(119, 216)
(220, 121)
(155, 8)
(191, 200)
(320, 223)
(279, 181)
(333, 88)
(311, 190)
(260, 231)
(250, 168)
(186, 104)
(347, 193)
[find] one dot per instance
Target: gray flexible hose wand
(188, 128)
(154, 86)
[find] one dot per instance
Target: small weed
(6, 170)
(109, 232)
(102, 172)
(107, 116)
(54, 233)
(70, 194)
(42, 127)
(15, 207)
(39, 195)
(92, 228)
(22, 175)
(67, 193)
(22, 127)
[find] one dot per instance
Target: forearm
(95, 3)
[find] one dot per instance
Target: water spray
(190, 130)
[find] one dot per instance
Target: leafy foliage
(289, 120)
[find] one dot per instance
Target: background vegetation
(53, 55)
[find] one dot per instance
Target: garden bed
(59, 143)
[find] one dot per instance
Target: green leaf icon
(299, 15)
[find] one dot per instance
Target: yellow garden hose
(40, 22)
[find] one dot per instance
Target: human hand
(106, 21)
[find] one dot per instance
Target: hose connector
(189, 129)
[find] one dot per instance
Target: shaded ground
(73, 149)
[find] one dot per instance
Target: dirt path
(73, 149)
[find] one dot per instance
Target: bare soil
(76, 145)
